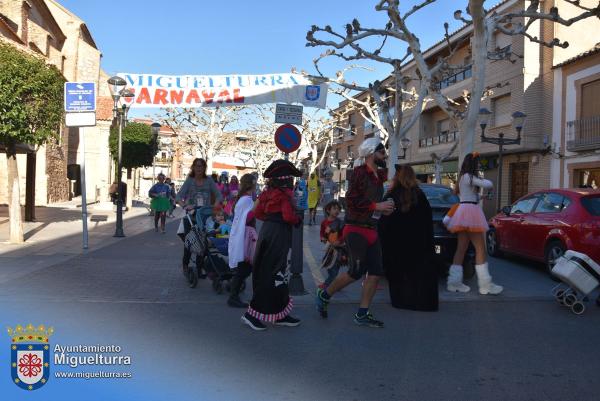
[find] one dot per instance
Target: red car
(543, 225)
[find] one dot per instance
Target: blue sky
(243, 37)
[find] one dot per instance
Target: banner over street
(153, 90)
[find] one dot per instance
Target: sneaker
(288, 321)
(367, 320)
(322, 303)
(253, 322)
(236, 302)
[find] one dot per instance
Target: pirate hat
(282, 169)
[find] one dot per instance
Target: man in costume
(364, 208)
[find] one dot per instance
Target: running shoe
(367, 320)
(322, 303)
(253, 322)
(288, 321)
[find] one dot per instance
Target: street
(188, 344)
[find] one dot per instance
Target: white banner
(153, 90)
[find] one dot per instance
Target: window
(524, 206)
(443, 126)
(501, 110)
(592, 205)
(552, 203)
(590, 99)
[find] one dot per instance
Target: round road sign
(288, 138)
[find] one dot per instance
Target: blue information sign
(80, 96)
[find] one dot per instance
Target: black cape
(408, 254)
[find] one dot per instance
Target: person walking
(198, 190)
(329, 188)
(331, 234)
(242, 235)
(172, 201)
(407, 245)
(364, 209)
(470, 225)
(314, 195)
(160, 203)
(271, 300)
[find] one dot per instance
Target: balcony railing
(583, 134)
(455, 78)
(163, 160)
(446, 137)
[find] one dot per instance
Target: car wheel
(492, 243)
(554, 250)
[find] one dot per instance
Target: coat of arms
(313, 92)
(30, 356)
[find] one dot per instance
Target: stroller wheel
(570, 300)
(193, 278)
(578, 308)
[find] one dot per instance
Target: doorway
(519, 180)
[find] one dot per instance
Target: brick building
(576, 121)
(48, 30)
(526, 84)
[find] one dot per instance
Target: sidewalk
(56, 235)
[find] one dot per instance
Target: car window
(440, 195)
(592, 205)
(552, 203)
(524, 205)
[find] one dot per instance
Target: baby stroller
(579, 276)
(211, 252)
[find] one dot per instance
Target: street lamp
(518, 119)
(155, 130)
(122, 99)
(404, 145)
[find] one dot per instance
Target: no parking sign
(288, 138)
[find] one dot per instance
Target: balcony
(583, 134)
(446, 137)
(455, 78)
(163, 161)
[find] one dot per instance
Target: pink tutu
(468, 218)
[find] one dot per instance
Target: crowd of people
(384, 233)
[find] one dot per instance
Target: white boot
(485, 281)
(455, 277)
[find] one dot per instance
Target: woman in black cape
(407, 245)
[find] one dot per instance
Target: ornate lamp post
(518, 119)
(404, 145)
(121, 106)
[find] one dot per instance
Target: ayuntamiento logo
(30, 355)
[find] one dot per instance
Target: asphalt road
(186, 344)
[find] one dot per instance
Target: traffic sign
(288, 138)
(80, 96)
(287, 113)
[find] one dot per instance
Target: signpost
(287, 113)
(80, 105)
(288, 140)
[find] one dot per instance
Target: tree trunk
(130, 184)
(393, 155)
(438, 171)
(14, 197)
(480, 34)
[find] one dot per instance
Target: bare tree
(401, 88)
(202, 132)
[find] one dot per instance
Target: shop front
(426, 172)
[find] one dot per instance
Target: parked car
(541, 226)
(442, 198)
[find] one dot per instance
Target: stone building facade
(48, 30)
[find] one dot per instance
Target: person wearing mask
(364, 209)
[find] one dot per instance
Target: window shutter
(501, 106)
(503, 40)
